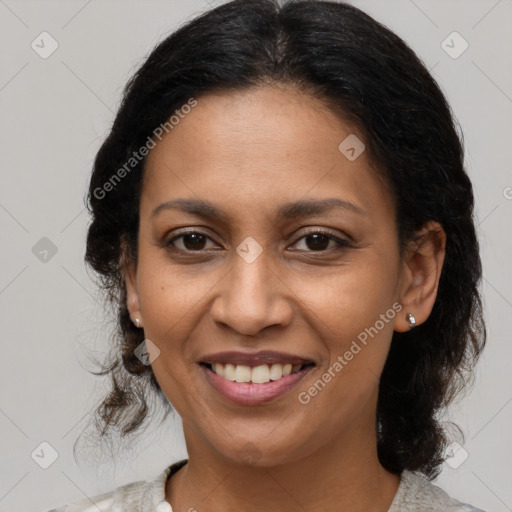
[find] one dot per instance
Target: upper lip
(254, 358)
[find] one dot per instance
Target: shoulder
(417, 492)
(143, 495)
(126, 497)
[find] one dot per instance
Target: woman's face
(257, 278)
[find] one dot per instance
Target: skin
(248, 153)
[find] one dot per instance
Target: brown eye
(314, 241)
(318, 241)
(192, 241)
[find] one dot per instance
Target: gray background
(55, 113)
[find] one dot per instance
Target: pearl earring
(137, 322)
(411, 319)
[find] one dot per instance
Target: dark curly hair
(367, 75)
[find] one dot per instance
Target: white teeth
(260, 374)
(229, 372)
(218, 369)
(276, 371)
(257, 375)
(242, 373)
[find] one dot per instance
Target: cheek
(347, 300)
(354, 312)
(168, 301)
(169, 292)
(169, 305)
(346, 387)
(173, 300)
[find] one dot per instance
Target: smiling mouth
(256, 374)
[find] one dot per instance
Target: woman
(282, 217)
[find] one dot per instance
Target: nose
(252, 297)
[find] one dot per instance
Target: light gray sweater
(415, 494)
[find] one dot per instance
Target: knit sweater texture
(415, 494)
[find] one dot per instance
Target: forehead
(257, 148)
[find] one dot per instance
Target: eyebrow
(297, 209)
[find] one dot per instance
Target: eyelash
(341, 243)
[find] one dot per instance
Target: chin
(264, 452)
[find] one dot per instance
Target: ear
(421, 271)
(129, 272)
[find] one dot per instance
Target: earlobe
(129, 273)
(422, 268)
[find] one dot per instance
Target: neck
(344, 474)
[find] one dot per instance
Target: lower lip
(247, 393)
